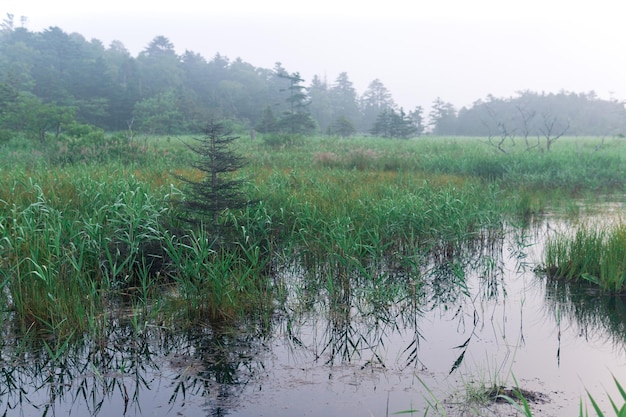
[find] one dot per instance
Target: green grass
(593, 254)
(78, 238)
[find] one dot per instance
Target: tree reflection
(117, 373)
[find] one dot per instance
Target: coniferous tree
(392, 124)
(209, 197)
(374, 101)
(297, 120)
(344, 99)
(268, 122)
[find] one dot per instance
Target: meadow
(80, 239)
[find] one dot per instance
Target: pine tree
(215, 192)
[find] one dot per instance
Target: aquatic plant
(596, 255)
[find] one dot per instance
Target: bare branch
(550, 130)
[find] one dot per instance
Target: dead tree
(503, 133)
(527, 117)
(552, 130)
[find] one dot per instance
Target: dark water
(374, 347)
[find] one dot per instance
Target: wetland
(372, 277)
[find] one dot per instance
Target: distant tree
(159, 68)
(159, 46)
(296, 120)
(217, 191)
(342, 127)
(268, 123)
(552, 129)
(17, 59)
(526, 116)
(417, 120)
(320, 108)
(8, 24)
(197, 96)
(297, 123)
(382, 125)
(442, 118)
(123, 90)
(297, 98)
(159, 114)
(56, 66)
(529, 114)
(253, 96)
(375, 100)
(8, 98)
(392, 124)
(344, 99)
(28, 114)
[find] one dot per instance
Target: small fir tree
(215, 192)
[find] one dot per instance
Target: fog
(457, 50)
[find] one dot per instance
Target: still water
(372, 347)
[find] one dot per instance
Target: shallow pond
(373, 348)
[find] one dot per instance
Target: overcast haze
(458, 50)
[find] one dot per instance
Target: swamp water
(365, 347)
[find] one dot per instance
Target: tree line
(51, 78)
(531, 114)
(60, 76)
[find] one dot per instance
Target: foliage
(27, 114)
(215, 193)
(159, 114)
(342, 127)
(392, 124)
(443, 118)
(296, 120)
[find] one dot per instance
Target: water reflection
(130, 373)
(592, 314)
(401, 317)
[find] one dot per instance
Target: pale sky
(459, 50)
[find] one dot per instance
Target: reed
(593, 254)
(75, 237)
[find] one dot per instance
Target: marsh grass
(75, 237)
(595, 254)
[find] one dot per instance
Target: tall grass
(575, 165)
(593, 254)
(76, 237)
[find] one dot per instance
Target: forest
(52, 82)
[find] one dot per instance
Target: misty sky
(459, 50)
